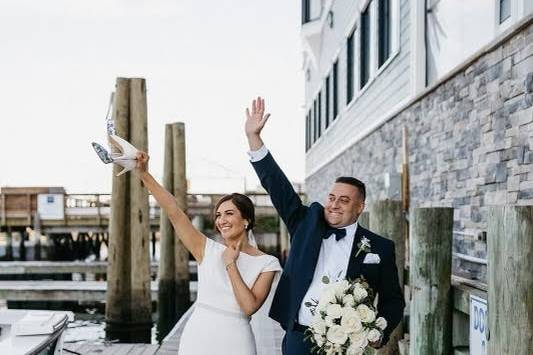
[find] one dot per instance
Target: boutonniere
(363, 245)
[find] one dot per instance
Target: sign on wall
(479, 319)
(51, 206)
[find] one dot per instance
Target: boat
(33, 332)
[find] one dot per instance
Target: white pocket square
(371, 258)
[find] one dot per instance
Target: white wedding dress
(217, 325)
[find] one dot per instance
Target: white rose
(334, 310)
(359, 339)
(319, 326)
(373, 335)
(341, 287)
(348, 301)
(350, 320)
(367, 315)
(336, 335)
(359, 293)
(381, 323)
(354, 350)
(330, 322)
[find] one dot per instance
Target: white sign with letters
(479, 319)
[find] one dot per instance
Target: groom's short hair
(359, 185)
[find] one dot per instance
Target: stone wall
(470, 144)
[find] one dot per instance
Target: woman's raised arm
(193, 239)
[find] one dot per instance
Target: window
(50, 199)
(349, 68)
(505, 10)
(335, 89)
(315, 121)
(328, 94)
(307, 128)
(319, 114)
(306, 11)
(384, 28)
(365, 46)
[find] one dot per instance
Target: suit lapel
(354, 264)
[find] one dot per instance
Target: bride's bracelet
(229, 265)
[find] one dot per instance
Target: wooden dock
(83, 291)
(66, 267)
(111, 349)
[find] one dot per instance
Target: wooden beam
(430, 281)
(510, 279)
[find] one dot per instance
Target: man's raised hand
(256, 118)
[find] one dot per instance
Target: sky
(203, 61)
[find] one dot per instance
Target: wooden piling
(118, 297)
(181, 256)
(430, 281)
(128, 306)
(386, 220)
(166, 304)
(139, 212)
(510, 280)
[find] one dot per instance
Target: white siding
(383, 93)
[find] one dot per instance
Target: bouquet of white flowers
(344, 319)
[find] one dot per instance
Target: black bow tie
(339, 233)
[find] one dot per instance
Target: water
(91, 329)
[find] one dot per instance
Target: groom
(324, 242)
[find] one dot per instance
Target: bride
(234, 278)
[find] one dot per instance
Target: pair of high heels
(127, 153)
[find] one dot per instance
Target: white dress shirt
(332, 262)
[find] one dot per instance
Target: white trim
(352, 25)
(418, 46)
(362, 5)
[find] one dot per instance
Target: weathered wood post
(181, 256)
(386, 220)
(140, 215)
(128, 307)
(510, 279)
(166, 302)
(430, 281)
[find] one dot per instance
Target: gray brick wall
(470, 146)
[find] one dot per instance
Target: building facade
(458, 75)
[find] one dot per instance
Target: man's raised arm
(285, 199)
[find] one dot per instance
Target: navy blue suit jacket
(307, 226)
